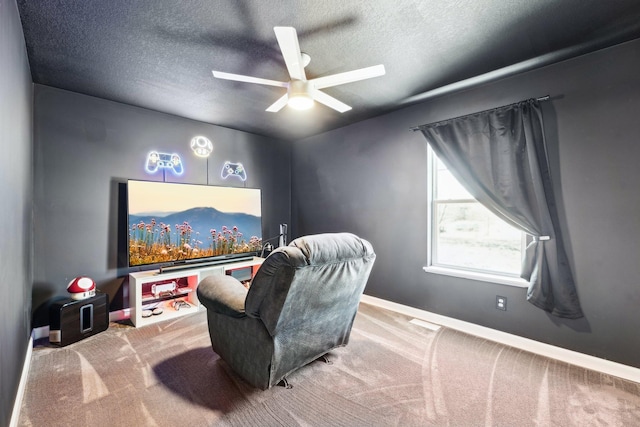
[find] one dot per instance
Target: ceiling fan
(301, 92)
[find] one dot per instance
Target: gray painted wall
(370, 178)
(16, 189)
(86, 148)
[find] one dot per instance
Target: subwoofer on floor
(73, 320)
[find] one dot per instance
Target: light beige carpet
(392, 373)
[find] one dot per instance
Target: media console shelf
(166, 291)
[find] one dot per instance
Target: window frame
(457, 271)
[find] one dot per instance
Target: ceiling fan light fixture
(299, 95)
(300, 102)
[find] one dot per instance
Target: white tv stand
(183, 284)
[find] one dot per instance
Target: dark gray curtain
(500, 157)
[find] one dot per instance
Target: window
(466, 239)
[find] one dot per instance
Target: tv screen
(172, 222)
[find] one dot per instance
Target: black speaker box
(73, 320)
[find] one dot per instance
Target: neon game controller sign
(164, 161)
(233, 169)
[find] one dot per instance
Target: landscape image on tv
(171, 222)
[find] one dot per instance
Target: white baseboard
(123, 314)
(562, 354)
(24, 376)
(39, 333)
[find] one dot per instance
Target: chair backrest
(313, 284)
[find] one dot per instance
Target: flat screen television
(174, 223)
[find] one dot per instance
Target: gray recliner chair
(301, 304)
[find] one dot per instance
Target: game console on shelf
(234, 169)
(163, 289)
(157, 161)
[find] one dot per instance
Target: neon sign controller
(157, 161)
(234, 169)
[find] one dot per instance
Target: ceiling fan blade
(348, 77)
(279, 104)
(248, 79)
(330, 101)
(288, 42)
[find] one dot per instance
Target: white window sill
(474, 275)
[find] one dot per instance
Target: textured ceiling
(158, 54)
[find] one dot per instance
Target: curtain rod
(415, 128)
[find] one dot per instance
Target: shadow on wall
(118, 226)
(553, 152)
(42, 296)
(581, 325)
(115, 288)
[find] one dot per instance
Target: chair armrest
(223, 294)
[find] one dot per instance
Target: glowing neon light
(233, 169)
(201, 146)
(156, 161)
